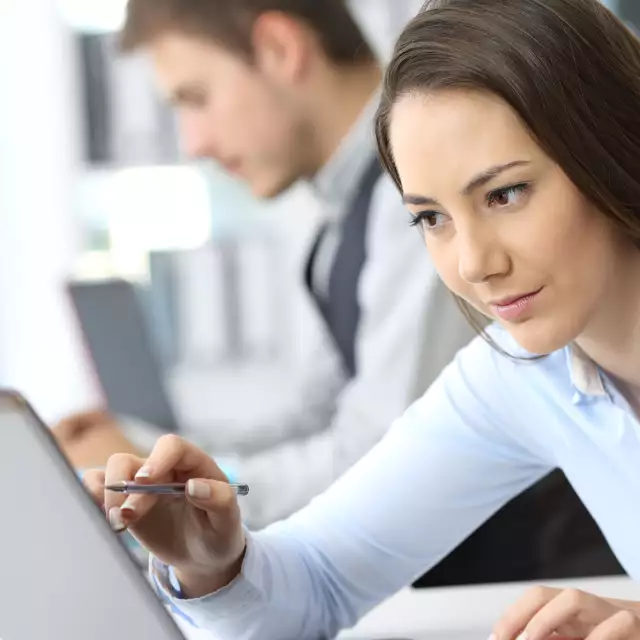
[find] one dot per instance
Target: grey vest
(340, 307)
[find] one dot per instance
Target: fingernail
(145, 472)
(128, 506)
(115, 519)
(198, 490)
(523, 636)
(493, 636)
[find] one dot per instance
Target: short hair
(230, 23)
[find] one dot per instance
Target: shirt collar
(336, 182)
(585, 375)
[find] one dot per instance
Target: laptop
(116, 332)
(65, 574)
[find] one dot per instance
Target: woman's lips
(514, 307)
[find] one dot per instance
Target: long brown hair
(569, 68)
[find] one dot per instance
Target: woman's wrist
(195, 584)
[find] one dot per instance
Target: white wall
(382, 21)
(39, 154)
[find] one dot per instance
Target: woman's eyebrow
(478, 181)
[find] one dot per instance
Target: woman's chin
(538, 339)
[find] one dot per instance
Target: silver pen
(169, 489)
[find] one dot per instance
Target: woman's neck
(612, 340)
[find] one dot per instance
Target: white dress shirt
(486, 430)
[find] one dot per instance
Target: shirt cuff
(229, 602)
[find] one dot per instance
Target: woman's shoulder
(497, 391)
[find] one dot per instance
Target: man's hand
(90, 439)
(76, 425)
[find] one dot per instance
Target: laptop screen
(117, 335)
(65, 574)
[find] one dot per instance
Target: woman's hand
(543, 613)
(199, 534)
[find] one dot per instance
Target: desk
(444, 612)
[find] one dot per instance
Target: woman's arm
(444, 468)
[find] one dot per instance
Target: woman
(512, 131)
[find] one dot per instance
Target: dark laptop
(117, 335)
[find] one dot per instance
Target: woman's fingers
(173, 458)
(93, 481)
(624, 625)
(544, 613)
(570, 612)
(215, 497)
(517, 617)
(121, 509)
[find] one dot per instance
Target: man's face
(242, 116)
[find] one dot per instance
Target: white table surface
(455, 609)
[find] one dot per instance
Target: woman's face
(507, 230)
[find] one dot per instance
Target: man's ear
(283, 47)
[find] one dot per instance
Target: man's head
(261, 86)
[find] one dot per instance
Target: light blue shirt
(486, 430)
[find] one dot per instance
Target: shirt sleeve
(453, 459)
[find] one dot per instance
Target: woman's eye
(429, 220)
(507, 196)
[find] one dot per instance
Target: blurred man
(278, 91)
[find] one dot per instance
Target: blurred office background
(93, 185)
